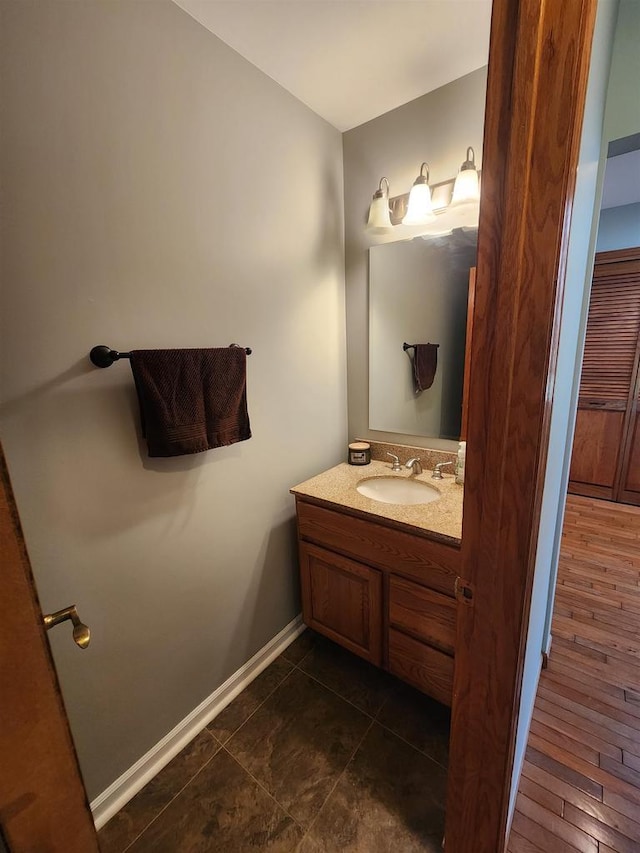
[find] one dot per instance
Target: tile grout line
(220, 745)
(404, 740)
(374, 718)
(262, 787)
(414, 747)
(335, 693)
(177, 794)
(255, 710)
(337, 782)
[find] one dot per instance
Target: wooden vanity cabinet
(383, 593)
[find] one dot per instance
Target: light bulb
(419, 208)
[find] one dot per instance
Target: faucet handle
(396, 462)
(437, 471)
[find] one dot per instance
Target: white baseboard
(110, 801)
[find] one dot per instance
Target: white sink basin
(398, 490)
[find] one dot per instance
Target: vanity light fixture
(419, 207)
(466, 189)
(427, 211)
(379, 214)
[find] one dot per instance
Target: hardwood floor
(580, 785)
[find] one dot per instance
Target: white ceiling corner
(353, 60)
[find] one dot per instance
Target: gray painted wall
(619, 228)
(582, 236)
(437, 127)
(161, 192)
(622, 117)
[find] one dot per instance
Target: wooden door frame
(538, 71)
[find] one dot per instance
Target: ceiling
(353, 60)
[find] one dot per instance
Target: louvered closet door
(605, 460)
(630, 474)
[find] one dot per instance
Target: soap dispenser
(462, 452)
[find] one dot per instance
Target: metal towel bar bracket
(103, 356)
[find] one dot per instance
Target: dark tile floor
(321, 753)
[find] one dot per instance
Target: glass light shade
(466, 189)
(379, 214)
(419, 208)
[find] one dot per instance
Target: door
(43, 805)
(630, 477)
(630, 472)
(605, 461)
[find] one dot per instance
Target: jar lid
(359, 445)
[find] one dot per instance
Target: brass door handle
(81, 632)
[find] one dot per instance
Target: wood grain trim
(591, 404)
(629, 497)
(423, 666)
(589, 490)
(426, 561)
(538, 70)
(426, 615)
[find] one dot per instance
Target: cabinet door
(597, 443)
(342, 599)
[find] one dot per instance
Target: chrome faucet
(437, 471)
(415, 464)
(396, 462)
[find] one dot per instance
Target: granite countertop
(441, 519)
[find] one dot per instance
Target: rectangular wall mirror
(419, 293)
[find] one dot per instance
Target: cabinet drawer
(423, 666)
(428, 615)
(429, 562)
(342, 600)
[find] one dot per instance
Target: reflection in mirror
(418, 294)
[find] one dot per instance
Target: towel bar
(103, 356)
(406, 346)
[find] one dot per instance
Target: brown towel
(191, 399)
(425, 362)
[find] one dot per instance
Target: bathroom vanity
(380, 578)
